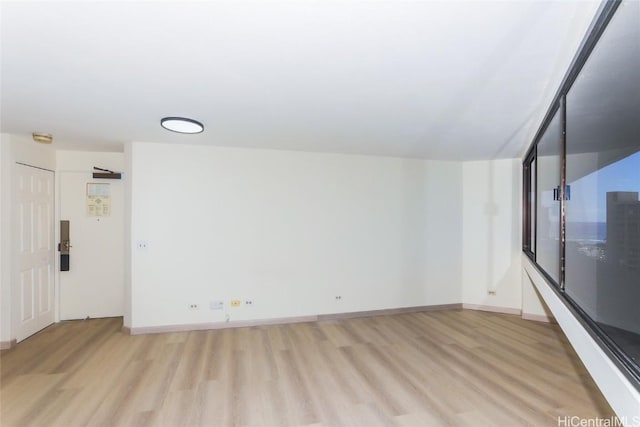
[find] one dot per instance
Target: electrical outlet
(235, 303)
(338, 297)
(492, 293)
(193, 306)
(248, 302)
(216, 305)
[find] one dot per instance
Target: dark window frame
(528, 223)
(599, 24)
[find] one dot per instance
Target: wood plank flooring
(433, 368)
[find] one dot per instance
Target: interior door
(34, 296)
(94, 284)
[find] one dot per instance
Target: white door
(34, 296)
(94, 285)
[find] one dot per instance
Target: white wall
(5, 248)
(492, 227)
(290, 231)
(23, 150)
(128, 243)
(84, 161)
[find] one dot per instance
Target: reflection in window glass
(548, 202)
(603, 172)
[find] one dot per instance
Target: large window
(595, 151)
(603, 171)
(549, 164)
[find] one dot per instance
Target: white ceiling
(455, 80)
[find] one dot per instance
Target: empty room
(328, 213)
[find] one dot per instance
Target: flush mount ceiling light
(182, 125)
(42, 138)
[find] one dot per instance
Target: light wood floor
(433, 368)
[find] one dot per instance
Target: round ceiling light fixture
(42, 138)
(181, 125)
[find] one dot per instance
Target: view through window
(601, 167)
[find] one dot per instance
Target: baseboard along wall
(538, 318)
(285, 320)
(7, 345)
(493, 309)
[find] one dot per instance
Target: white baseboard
(538, 318)
(493, 309)
(7, 345)
(218, 325)
(283, 320)
(389, 311)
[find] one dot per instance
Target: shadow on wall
(502, 210)
(492, 234)
(433, 257)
